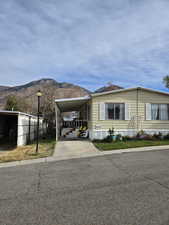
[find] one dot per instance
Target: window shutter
(102, 111)
(148, 111)
(127, 112)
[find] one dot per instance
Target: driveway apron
(75, 149)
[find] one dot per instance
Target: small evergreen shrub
(166, 137)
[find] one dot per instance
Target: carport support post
(39, 94)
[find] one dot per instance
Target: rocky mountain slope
(28, 91)
(109, 87)
(50, 88)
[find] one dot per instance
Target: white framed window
(160, 111)
(115, 111)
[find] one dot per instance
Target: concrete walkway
(75, 149)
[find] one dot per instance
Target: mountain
(110, 87)
(28, 91)
(40, 83)
(50, 88)
(2, 88)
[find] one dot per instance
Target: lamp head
(39, 93)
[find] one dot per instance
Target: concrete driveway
(75, 149)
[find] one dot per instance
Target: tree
(16, 103)
(48, 107)
(166, 81)
(29, 105)
(11, 103)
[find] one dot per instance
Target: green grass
(46, 148)
(129, 144)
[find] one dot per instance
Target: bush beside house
(142, 139)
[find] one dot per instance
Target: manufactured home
(128, 111)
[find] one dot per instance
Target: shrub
(127, 138)
(166, 137)
(111, 131)
(97, 140)
(148, 137)
(108, 139)
(158, 136)
(140, 134)
(119, 137)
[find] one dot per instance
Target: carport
(18, 128)
(8, 128)
(80, 105)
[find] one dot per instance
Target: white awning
(71, 104)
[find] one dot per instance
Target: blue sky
(86, 42)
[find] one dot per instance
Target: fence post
(29, 130)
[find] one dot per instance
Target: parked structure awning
(71, 104)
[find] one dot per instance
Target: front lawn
(46, 148)
(129, 144)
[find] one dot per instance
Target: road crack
(157, 182)
(39, 181)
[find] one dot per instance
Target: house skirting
(101, 134)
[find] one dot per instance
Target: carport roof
(6, 112)
(71, 104)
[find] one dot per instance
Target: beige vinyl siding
(148, 97)
(137, 121)
(123, 97)
(90, 114)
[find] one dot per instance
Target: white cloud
(86, 42)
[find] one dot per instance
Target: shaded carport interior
(68, 105)
(8, 129)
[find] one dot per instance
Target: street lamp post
(39, 94)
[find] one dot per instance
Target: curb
(139, 149)
(98, 153)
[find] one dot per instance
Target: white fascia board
(73, 99)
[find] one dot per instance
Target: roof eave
(129, 89)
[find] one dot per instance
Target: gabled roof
(130, 89)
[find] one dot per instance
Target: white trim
(73, 99)
(129, 89)
(101, 134)
(130, 129)
(157, 130)
(126, 111)
(148, 111)
(16, 113)
(102, 111)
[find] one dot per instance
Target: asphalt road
(125, 189)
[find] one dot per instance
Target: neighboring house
(17, 128)
(126, 110)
